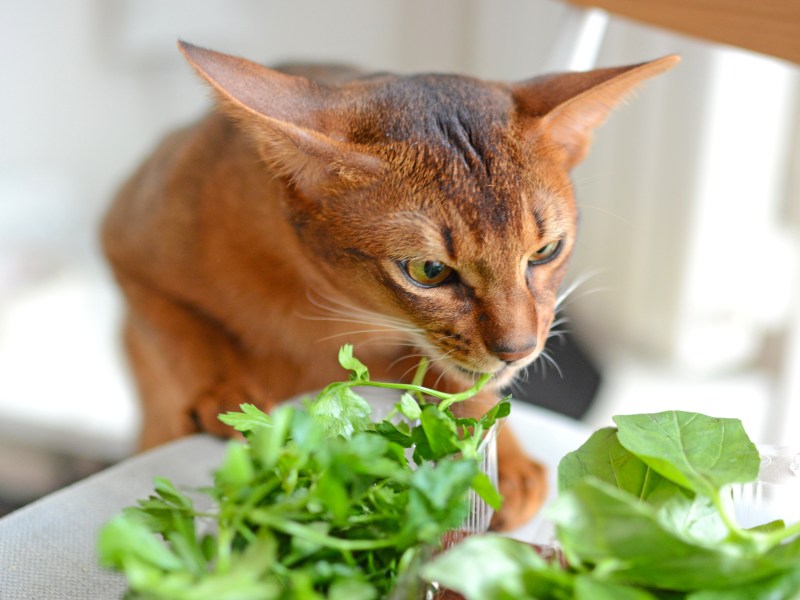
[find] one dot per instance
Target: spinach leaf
(504, 565)
(602, 456)
(784, 586)
(642, 514)
(589, 588)
(695, 451)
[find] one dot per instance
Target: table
(47, 549)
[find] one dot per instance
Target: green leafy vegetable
(317, 503)
(643, 512)
(700, 453)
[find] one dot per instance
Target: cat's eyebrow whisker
(608, 212)
(585, 180)
(576, 283)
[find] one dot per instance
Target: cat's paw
(523, 484)
(219, 399)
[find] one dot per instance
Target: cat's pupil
(433, 269)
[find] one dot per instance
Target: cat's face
(464, 236)
(443, 202)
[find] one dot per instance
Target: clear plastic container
(775, 494)
(480, 513)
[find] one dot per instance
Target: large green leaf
(603, 457)
(605, 526)
(588, 588)
(486, 567)
(698, 452)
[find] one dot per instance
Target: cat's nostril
(510, 354)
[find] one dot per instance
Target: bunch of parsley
(644, 512)
(316, 503)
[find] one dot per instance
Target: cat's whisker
(337, 306)
(517, 383)
(340, 309)
(409, 356)
(545, 355)
(356, 332)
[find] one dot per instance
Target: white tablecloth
(47, 549)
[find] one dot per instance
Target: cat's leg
(522, 482)
(187, 369)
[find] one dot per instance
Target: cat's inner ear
(567, 107)
(297, 123)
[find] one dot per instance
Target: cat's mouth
(461, 370)
(500, 378)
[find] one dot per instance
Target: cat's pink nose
(512, 354)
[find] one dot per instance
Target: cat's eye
(428, 273)
(546, 253)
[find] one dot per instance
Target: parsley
(316, 503)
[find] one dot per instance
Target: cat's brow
(540, 222)
(434, 240)
(447, 237)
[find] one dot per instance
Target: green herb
(316, 503)
(644, 511)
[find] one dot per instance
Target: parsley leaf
(315, 503)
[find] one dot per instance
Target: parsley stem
(419, 376)
(446, 399)
(466, 394)
(298, 530)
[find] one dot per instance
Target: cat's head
(440, 201)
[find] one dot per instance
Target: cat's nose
(509, 354)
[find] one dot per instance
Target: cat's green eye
(545, 253)
(428, 273)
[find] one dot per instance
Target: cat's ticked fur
(429, 214)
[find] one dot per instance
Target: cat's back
(155, 224)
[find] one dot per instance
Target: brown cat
(430, 214)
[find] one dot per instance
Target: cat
(409, 215)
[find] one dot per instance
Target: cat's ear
(567, 107)
(293, 120)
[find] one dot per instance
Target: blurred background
(688, 276)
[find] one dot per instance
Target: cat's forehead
(460, 161)
(434, 108)
(450, 134)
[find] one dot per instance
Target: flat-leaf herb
(316, 503)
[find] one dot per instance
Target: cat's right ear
(293, 120)
(567, 107)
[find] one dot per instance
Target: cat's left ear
(300, 125)
(567, 107)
